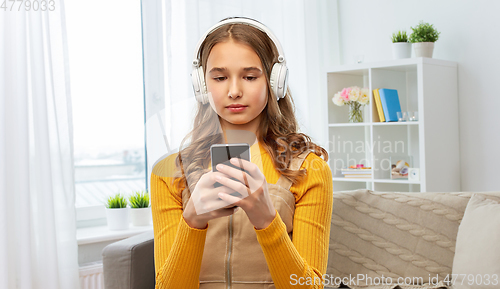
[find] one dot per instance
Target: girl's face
(235, 69)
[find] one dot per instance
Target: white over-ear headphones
(279, 72)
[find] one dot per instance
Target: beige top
(233, 257)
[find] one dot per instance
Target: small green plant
(139, 199)
(424, 32)
(399, 36)
(116, 202)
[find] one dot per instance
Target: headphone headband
(239, 20)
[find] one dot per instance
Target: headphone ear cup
(279, 80)
(203, 86)
(273, 79)
(199, 86)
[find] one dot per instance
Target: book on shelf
(375, 115)
(353, 171)
(357, 176)
(357, 173)
(380, 112)
(390, 103)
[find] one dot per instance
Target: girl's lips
(236, 109)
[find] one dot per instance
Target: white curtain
(38, 247)
(306, 29)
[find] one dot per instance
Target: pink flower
(345, 93)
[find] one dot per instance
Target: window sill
(99, 234)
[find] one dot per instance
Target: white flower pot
(118, 219)
(141, 216)
(423, 49)
(401, 50)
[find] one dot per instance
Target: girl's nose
(234, 89)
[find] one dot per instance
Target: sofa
(378, 240)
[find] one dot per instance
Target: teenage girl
(277, 236)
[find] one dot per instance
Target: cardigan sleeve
(292, 264)
(178, 249)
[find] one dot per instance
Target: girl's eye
(222, 78)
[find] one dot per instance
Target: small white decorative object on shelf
(414, 174)
(412, 115)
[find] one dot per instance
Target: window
(105, 59)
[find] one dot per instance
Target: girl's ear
(211, 101)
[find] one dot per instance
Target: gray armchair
(129, 263)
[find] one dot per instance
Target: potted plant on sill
(117, 213)
(423, 37)
(140, 211)
(401, 48)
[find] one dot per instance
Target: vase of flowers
(355, 98)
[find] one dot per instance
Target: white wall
(469, 36)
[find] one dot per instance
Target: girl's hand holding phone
(252, 186)
(205, 204)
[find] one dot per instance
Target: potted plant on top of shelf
(140, 210)
(423, 37)
(117, 213)
(401, 48)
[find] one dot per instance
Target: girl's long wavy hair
(278, 126)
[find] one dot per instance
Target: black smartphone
(222, 153)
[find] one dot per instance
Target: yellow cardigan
(179, 248)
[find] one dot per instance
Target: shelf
(351, 180)
(348, 124)
(425, 85)
(397, 123)
(384, 181)
(373, 123)
(407, 64)
(387, 181)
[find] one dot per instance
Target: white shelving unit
(426, 85)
